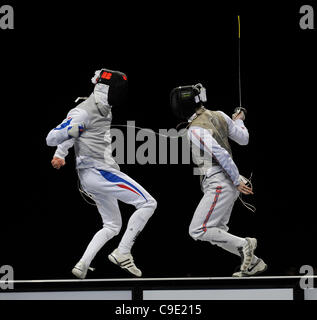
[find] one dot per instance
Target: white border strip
(155, 279)
(68, 295)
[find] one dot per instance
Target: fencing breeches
(107, 187)
(212, 215)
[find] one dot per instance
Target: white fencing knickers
(212, 215)
(107, 187)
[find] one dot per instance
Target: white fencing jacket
(93, 146)
(203, 140)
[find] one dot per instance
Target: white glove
(239, 113)
(76, 129)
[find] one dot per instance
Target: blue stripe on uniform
(114, 178)
(64, 125)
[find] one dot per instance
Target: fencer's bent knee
(150, 203)
(153, 204)
(199, 234)
(145, 211)
(195, 233)
(113, 230)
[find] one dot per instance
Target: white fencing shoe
(124, 261)
(80, 270)
(247, 253)
(255, 269)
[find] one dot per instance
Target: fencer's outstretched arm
(204, 140)
(72, 127)
(237, 130)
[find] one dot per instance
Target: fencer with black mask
(209, 133)
(87, 128)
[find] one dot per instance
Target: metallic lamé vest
(215, 123)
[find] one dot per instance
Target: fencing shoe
(247, 252)
(124, 261)
(80, 270)
(254, 269)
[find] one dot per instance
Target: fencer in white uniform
(221, 183)
(87, 128)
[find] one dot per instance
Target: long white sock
(226, 241)
(136, 224)
(220, 236)
(97, 242)
(235, 251)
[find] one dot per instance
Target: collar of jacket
(200, 111)
(102, 108)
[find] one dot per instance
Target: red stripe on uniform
(126, 187)
(201, 141)
(218, 191)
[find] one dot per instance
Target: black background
(48, 60)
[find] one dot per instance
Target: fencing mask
(111, 87)
(186, 99)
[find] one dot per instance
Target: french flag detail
(121, 183)
(64, 124)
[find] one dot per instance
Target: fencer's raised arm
(237, 130)
(72, 127)
(203, 139)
